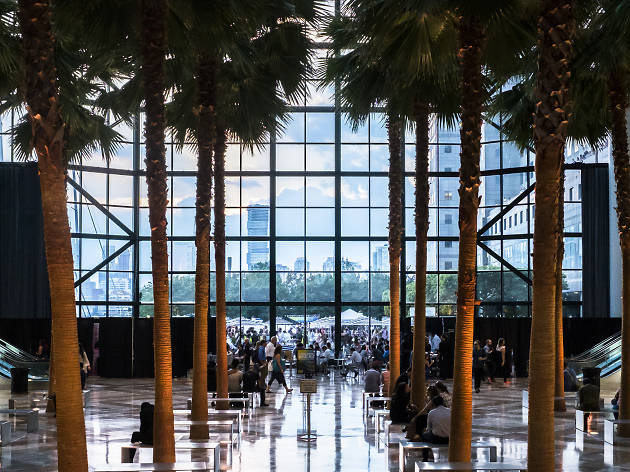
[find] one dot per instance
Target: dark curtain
(24, 289)
(595, 242)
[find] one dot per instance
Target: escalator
(606, 355)
(11, 356)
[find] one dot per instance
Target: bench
(127, 453)
(568, 397)
(34, 403)
(229, 424)
(234, 415)
(5, 433)
(610, 431)
(247, 402)
(405, 446)
(177, 466)
(378, 414)
(581, 418)
(369, 400)
(32, 417)
(393, 433)
(513, 465)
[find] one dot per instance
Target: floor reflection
(269, 441)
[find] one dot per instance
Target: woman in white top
(84, 364)
(502, 358)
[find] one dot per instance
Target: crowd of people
(249, 367)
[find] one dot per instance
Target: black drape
(595, 242)
(24, 291)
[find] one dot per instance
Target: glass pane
(290, 222)
(354, 286)
(320, 157)
(289, 191)
(320, 222)
(290, 287)
(320, 287)
(255, 287)
(321, 255)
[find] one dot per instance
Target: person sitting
(571, 383)
(404, 377)
(419, 422)
(588, 396)
(145, 435)
(401, 410)
(385, 377)
(235, 378)
(444, 393)
(372, 380)
(355, 361)
(251, 383)
(438, 423)
(615, 404)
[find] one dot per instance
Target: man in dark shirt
(251, 383)
(588, 396)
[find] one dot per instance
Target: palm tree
(471, 42)
(42, 100)
(241, 99)
(414, 82)
(480, 27)
(206, 140)
(555, 38)
(248, 106)
(395, 239)
(153, 40)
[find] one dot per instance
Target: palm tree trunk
(219, 257)
(205, 142)
(618, 105)
(555, 27)
(559, 404)
(471, 39)
(40, 88)
(421, 113)
(153, 51)
(394, 134)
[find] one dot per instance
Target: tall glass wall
(307, 226)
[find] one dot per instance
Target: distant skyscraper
(301, 264)
(380, 258)
(257, 225)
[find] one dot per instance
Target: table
(369, 400)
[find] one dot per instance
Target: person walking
(84, 364)
(479, 358)
(502, 359)
(270, 348)
(277, 372)
(490, 364)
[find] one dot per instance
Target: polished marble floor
(269, 436)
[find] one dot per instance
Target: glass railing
(11, 356)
